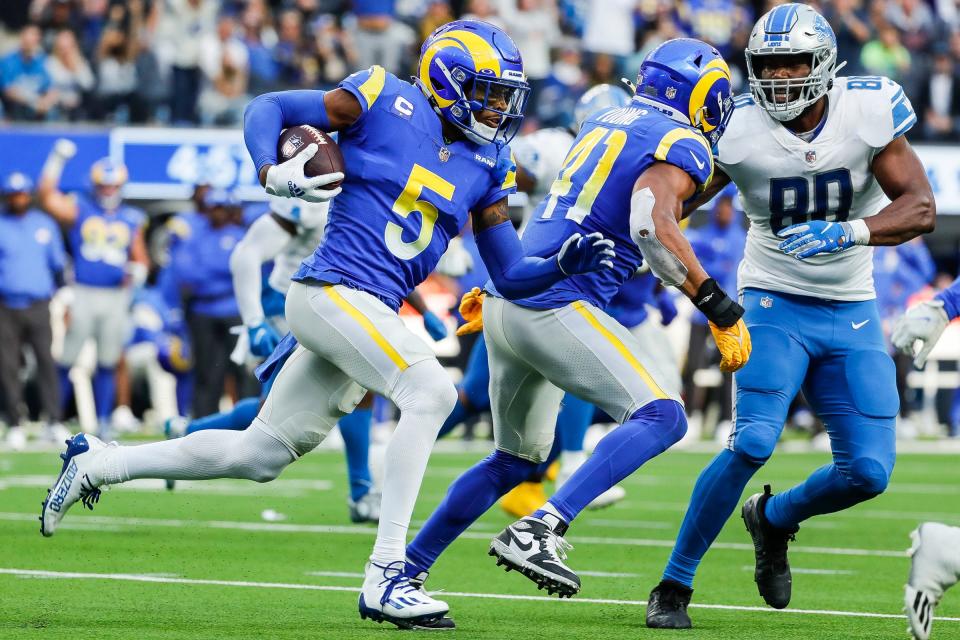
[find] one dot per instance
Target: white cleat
(388, 595)
(55, 432)
(366, 509)
(16, 439)
(74, 483)
(609, 497)
(934, 568)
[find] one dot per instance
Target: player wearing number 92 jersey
(824, 171)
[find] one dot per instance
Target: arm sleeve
(514, 274)
(270, 113)
(951, 299)
(262, 242)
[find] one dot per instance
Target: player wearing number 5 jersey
(824, 171)
(627, 175)
(420, 158)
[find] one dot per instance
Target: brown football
(328, 158)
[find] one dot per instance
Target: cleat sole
(553, 586)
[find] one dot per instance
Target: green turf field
(202, 563)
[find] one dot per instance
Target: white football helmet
(791, 29)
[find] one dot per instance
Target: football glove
(816, 237)
(288, 180)
(582, 254)
(434, 326)
(471, 308)
(263, 339)
(734, 345)
(924, 323)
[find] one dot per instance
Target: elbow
(927, 213)
(508, 288)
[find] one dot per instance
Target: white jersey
(310, 219)
(541, 154)
(784, 180)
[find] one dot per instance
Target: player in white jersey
(824, 172)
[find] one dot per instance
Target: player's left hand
(434, 326)
(924, 323)
(471, 308)
(585, 253)
(816, 237)
(263, 339)
(666, 307)
(734, 345)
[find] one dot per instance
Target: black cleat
(772, 573)
(537, 550)
(441, 624)
(667, 606)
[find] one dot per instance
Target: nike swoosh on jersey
(857, 325)
(700, 165)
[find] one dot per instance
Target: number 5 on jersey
(408, 202)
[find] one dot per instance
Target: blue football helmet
(602, 96)
(220, 198)
(467, 66)
(689, 81)
(108, 177)
(17, 182)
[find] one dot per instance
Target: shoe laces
(89, 494)
(556, 544)
(395, 580)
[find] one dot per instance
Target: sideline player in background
(421, 158)
(627, 176)
(105, 240)
(818, 160)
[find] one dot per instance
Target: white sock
(425, 397)
(252, 454)
(571, 460)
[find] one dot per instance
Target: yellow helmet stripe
(485, 58)
(699, 94)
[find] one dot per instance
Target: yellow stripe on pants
(581, 308)
(371, 330)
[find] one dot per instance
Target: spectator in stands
(116, 93)
(263, 70)
(288, 53)
(184, 26)
(725, 24)
(380, 38)
(483, 10)
(938, 98)
(885, 55)
(27, 90)
(852, 25)
(226, 71)
(913, 19)
(70, 75)
(334, 56)
(609, 29)
(202, 270)
(534, 26)
(53, 16)
(31, 264)
(438, 13)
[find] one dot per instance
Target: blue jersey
(592, 193)
(629, 306)
(407, 191)
(31, 258)
(100, 242)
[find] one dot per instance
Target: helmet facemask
(799, 93)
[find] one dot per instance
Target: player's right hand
(471, 308)
(734, 345)
(263, 339)
(924, 323)
(288, 180)
(582, 254)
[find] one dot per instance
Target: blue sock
(184, 393)
(468, 498)
(355, 429)
(459, 414)
(104, 392)
(649, 432)
(237, 419)
(715, 496)
(572, 423)
(66, 388)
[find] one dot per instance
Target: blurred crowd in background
(199, 61)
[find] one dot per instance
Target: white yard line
(280, 527)
(811, 572)
(128, 577)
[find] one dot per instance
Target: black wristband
(719, 308)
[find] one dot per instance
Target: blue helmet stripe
(779, 22)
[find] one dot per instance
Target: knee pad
(426, 387)
(755, 442)
(868, 475)
(871, 377)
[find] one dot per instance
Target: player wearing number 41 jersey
(824, 171)
(419, 159)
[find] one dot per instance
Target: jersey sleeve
(688, 150)
(504, 180)
(885, 110)
(370, 86)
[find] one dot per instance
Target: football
(328, 158)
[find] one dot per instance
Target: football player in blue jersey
(824, 172)
(105, 239)
(626, 176)
(421, 158)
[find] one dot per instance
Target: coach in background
(105, 237)
(201, 269)
(31, 266)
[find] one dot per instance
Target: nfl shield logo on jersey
(810, 157)
(766, 302)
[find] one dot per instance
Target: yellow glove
(471, 308)
(734, 344)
